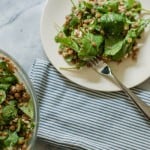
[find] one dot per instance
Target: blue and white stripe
(70, 114)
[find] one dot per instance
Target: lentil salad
(105, 29)
(16, 109)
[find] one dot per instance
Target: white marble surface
(19, 29)
(20, 36)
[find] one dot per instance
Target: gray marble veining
(19, 30)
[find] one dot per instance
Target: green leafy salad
(103, 29)
(16, 110)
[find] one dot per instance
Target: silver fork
(104, 69)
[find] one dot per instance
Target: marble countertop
(19, 30)
(20, 36)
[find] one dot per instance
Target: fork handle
(141, 104)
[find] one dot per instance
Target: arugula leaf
(132, 34)
(66, 31)
(142, 25)
(90, 46)
(69, 58)
(9, 112)
(112, 23)
(28, 109)
(4, 87)
(108, 6)
(112, 46)
(113, 5)
(11, 140)
(8, 79)
(129, 3)
(3, 65)
(68, 42)
(74, 21)
(4, 70)
(85, 5)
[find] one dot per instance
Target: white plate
(130, 72)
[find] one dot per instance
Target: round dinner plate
(130, 72)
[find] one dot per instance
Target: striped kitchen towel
(92, 120)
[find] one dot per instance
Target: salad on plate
(103, 29)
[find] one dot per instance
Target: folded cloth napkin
(93, 120)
